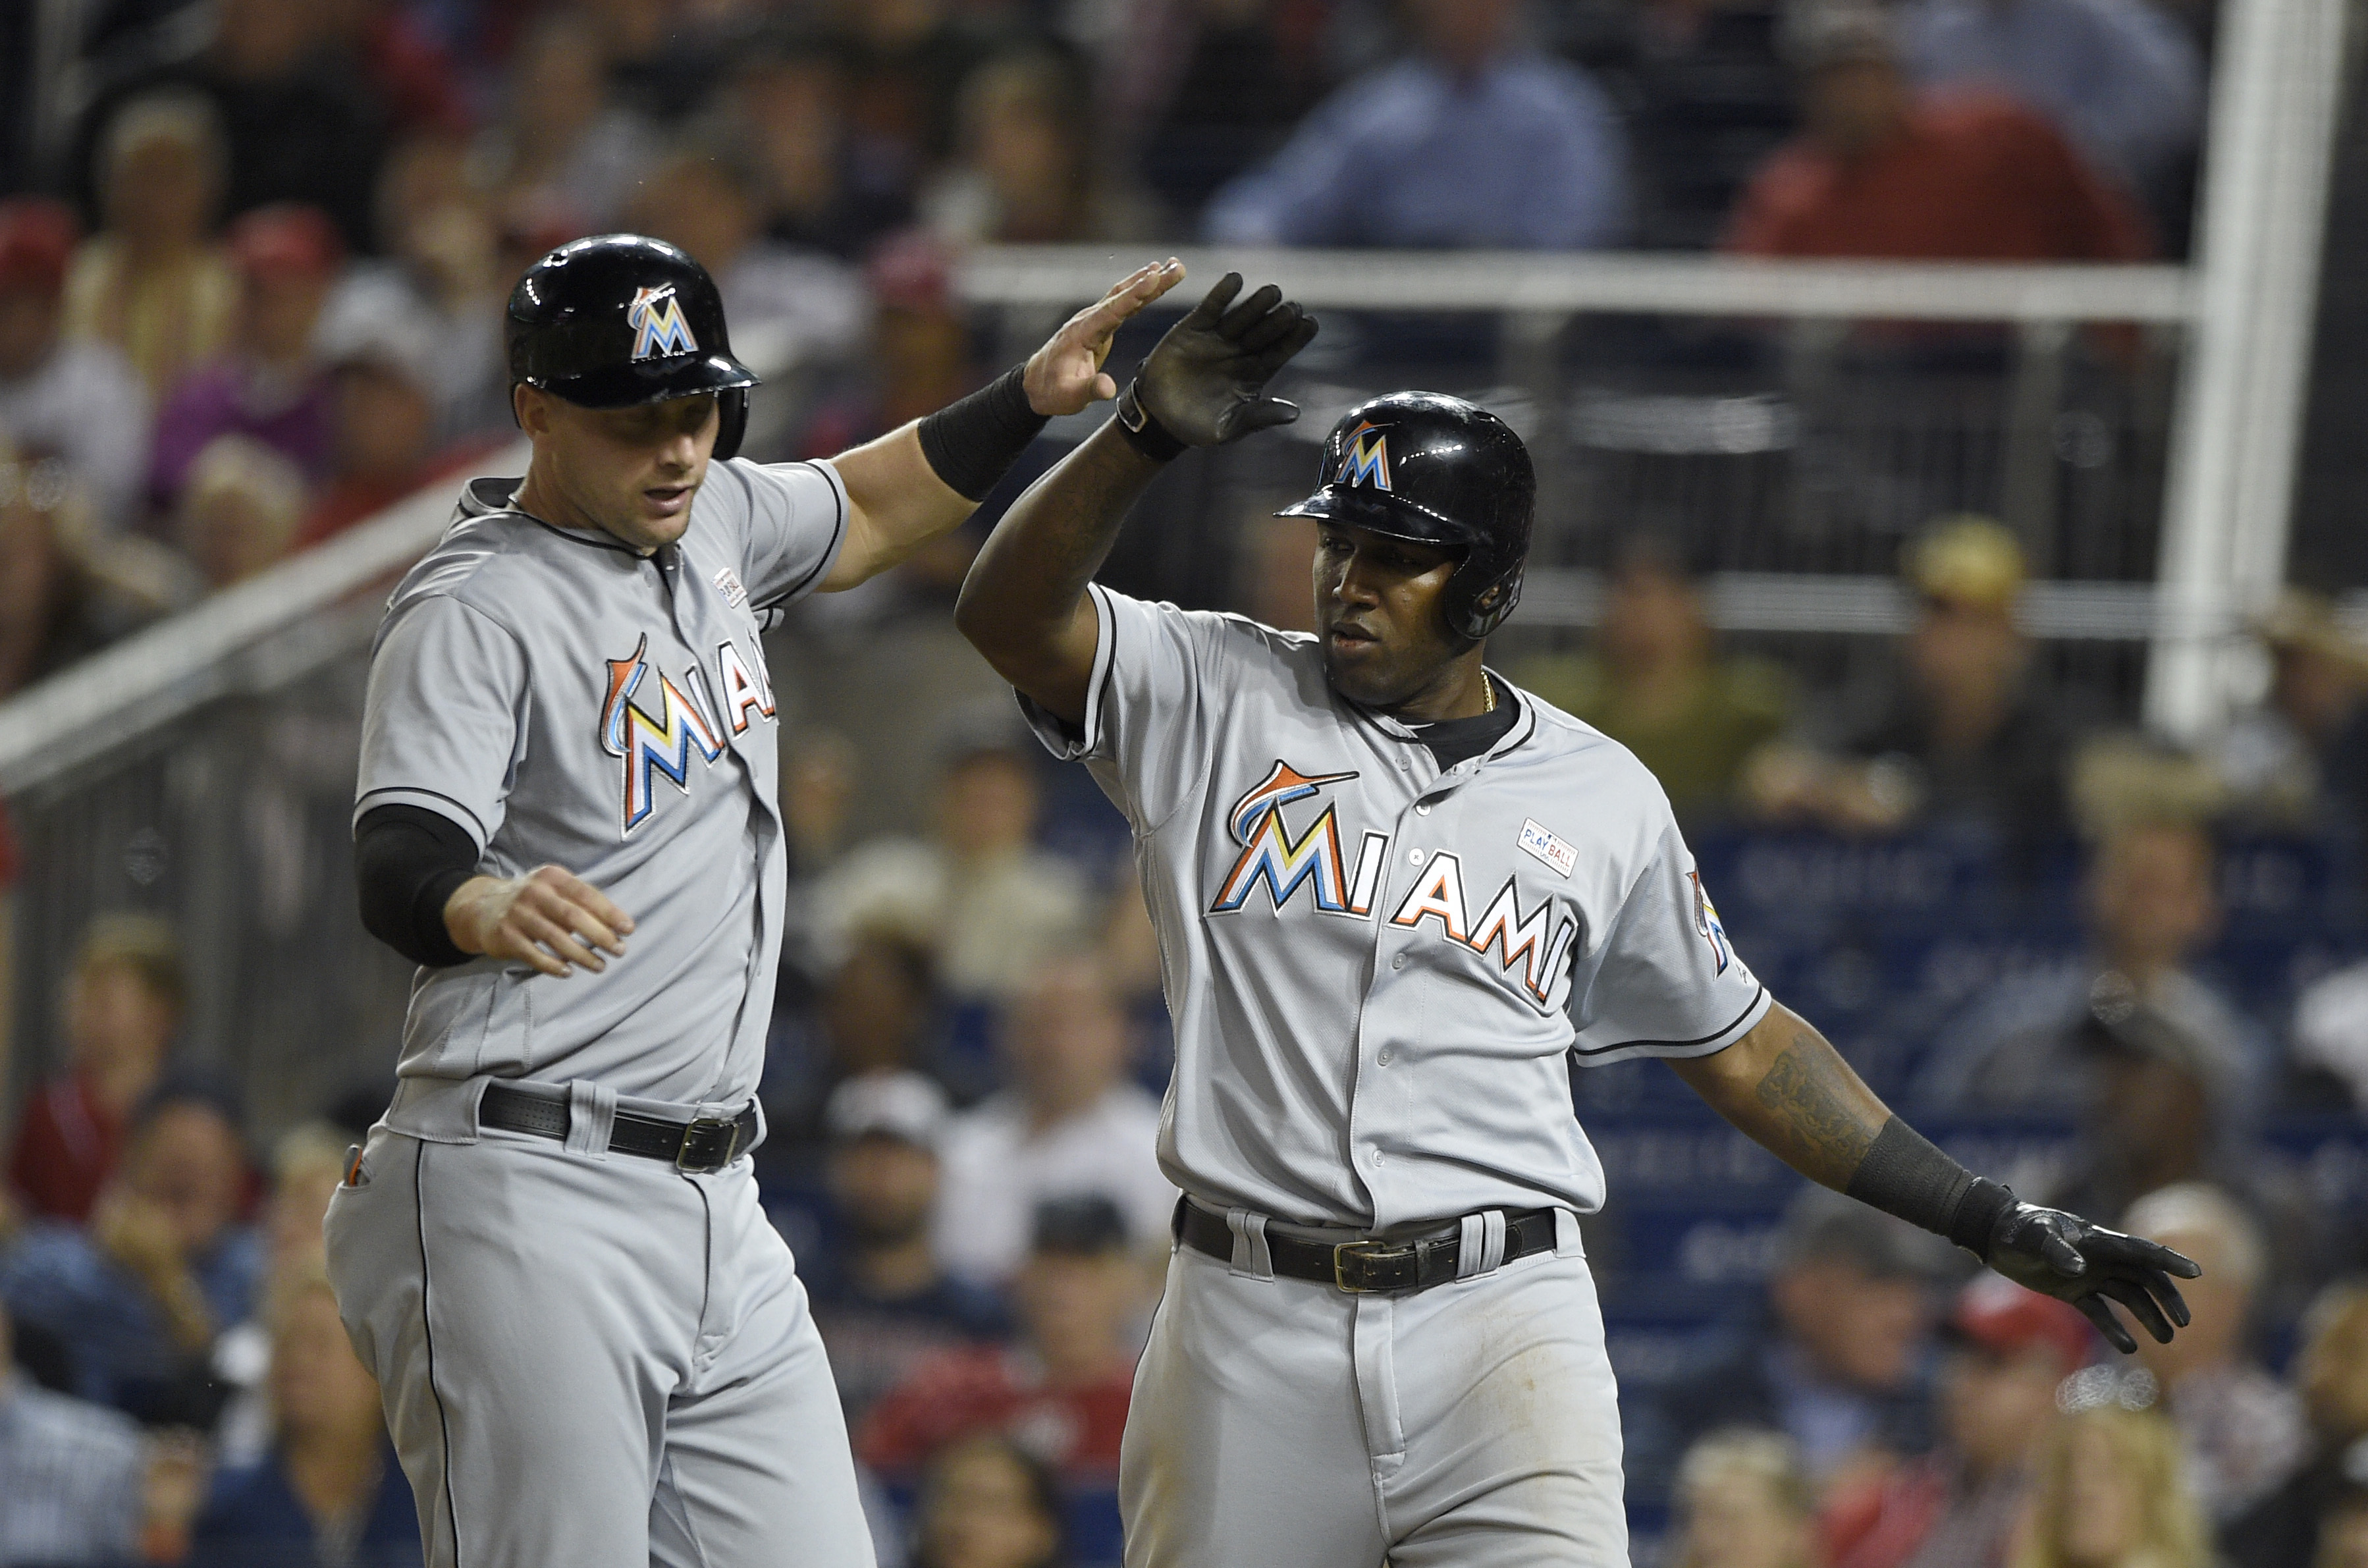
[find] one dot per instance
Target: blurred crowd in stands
(251, 296)
(253, 263)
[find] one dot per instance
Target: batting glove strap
(1143, 432)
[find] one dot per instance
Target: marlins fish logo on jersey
(1365, 458)
(1285, 864)
(1707, 922)
(655, 316)
(654, 744)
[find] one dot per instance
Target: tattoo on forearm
(1821, 1134)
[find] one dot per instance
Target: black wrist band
(1978, 1213)
(1904, 1173)
(1143, 433)
(973, 443)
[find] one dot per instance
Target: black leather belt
(1367, 1267)
(707, 1144)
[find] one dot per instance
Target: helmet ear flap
(732, 422)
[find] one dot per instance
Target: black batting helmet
(617, 319)
(1436, 470)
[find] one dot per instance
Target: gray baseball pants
(592, 1360)
(1282, 1424)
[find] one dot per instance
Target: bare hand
(1066, 374)
(138, 1234)
(550, 918)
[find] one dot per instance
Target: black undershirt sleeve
(407, 861)
(1904, 1173)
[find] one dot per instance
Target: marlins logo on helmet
(1365, 458)
(655, 316)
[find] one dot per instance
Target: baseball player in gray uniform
(592, 1348)
(1394, 896)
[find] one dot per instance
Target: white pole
(2274, 104)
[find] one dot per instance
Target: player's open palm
(1205, 382)
(2063, 1256)
(550, 918)
(1066, 374)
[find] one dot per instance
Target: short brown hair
(143, 944)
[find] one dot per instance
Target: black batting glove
(1203, 384)
(2065, 1256)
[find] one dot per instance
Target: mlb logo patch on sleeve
(1547, 847)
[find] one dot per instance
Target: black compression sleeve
(407, 860)
(973, 443)
(1904, 1173)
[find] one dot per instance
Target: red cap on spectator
(285, 240)
(37, 237)
(910, 271)
(2003, 1318)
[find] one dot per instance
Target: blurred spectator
(269, 384)
(307, 1163)
(1474, 140)
(1958, 1506)
(1844, 1365)
(990, 906)
(2119, 78)
(918, 358)
(1203, 89)
(2131, 1010)
(1024, 170)
(986, 1502)
(1968, 735)
(442, 274)
(399, 53)
(164, 1268)
(1742, 1500)
(68, 397)
(881, 1298)
(1071, 1123)
(1881, 172)
(2243, 1430)
(870, 1021)
(789, 308)
(1061, 1391)
(818, 768)
(562, 137)
(301, 121)
(907, 61)
(2109, 1494)
(2331, 1040)
(2343, 1530)
(1655, 684)
(240, 509)
(1708, 98)
(121, 1003)
(72, 1473)
(67, 586)
(2293, 760)
(152, 282)
(2284, 1530)
(329, 1494)
(386, 441)
(819, 185)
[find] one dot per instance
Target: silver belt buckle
(703, 1135)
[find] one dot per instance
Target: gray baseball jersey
(1377, 970)
(567, 701)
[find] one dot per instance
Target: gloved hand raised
(2065, 1256)
(1203, 382)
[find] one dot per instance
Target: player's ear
(528, 408)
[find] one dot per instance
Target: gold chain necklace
(1487, 692)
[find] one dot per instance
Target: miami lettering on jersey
(1273, 858)
(655, 316)
(661, 744)
(1533, 940)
